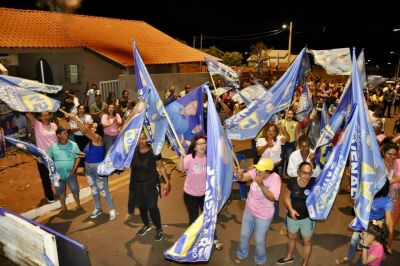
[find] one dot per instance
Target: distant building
(75, 50)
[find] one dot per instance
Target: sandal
(218, 245)
(342, 261)
(238, 260)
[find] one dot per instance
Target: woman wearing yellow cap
(259, 210)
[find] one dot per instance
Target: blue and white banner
(247, 123)
(323, 194)
(30, 84)
(24, 100)
(229, 75)
(32, 149)
(249, 94)
(186, 115)
(334, 61)
(367, 167)
(120, 155)
(196, 243)
(155, 121)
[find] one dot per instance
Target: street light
(290, 41)
(396, 75)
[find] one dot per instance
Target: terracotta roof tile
(106, 36)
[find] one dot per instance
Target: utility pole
(201, 41)
(194, 41)
(290, 44)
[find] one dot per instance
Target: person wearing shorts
(298, 218)
(65, 156)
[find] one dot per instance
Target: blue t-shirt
(379, 207)
(64, 157)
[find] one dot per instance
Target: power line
(242, 39)
(244, 35)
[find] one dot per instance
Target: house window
(72, 73)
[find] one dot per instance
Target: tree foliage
(229, 58)
(232, 58)
(213, 50)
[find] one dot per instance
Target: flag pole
(181, 148)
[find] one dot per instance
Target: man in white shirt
(303, 153)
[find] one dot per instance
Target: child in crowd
(373, 244)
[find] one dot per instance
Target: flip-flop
(218, 245)
(342, 261)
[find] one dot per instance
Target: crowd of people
(283, 153)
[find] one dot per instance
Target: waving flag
(334, 61)
(24, 100)
(32, 149)
(319, 202)
(240, 98)
(248, 122)
(249, 94)
(196, 243)
(120, 155)
(368, 170)
(156, 120)
(187, 117)
(229, 75)
(321, 153)
(30, 84)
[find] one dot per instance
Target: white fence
(109, 86)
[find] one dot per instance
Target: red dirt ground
(20, 185)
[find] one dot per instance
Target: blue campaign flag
(305, 104)
(196, 243)
(186, 115)
(368, 170)
(30, 84)
(334, 61)
(24, 100)
(249, 94)
(228, 74)
(120, 155)
(321, 152)
(32, 149)
(319, 202)
(243, 98)
(247, 123)
(156, 116)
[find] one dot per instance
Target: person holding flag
(259, 210)
(145, 185)
(194, 165)
(94, 155)
(45, 134)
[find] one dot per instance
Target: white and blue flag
(196, 243)
(247, 123)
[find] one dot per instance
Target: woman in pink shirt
(45, 134)
(194, 165)
(373, 243)
(259, 210)
(111, 122)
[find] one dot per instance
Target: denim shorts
(306, 226)
(72, 183)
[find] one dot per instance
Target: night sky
(316, 24)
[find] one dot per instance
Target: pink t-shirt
(196, 172)
(378, 252)
(45, 135)
(257, 204)
(113, 129)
